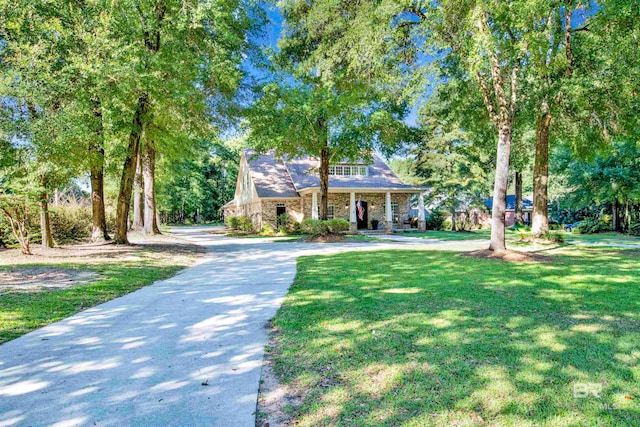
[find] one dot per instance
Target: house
(268, 187)
(510, 211)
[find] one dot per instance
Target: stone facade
(375, 206)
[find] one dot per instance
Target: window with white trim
(348, 170)
(330, 211)
(395, 212)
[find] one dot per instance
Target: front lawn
(454, 235)
(609, 238)
(433, 338)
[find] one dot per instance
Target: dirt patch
(273, 396)
(508, 255)
(31, 279)
(331, 238)
(141, 248)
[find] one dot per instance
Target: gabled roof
(527, 204)
(275, 177)
(269, 175)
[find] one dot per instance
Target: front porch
(366, 209)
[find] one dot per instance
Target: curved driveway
(186, 351)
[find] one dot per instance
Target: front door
(362, 223)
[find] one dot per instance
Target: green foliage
(634, 229)
(232, 222)
(70, 223)
(593, 225)
(284, 223)
(267, 230)
(435, 221)
(317, 227)
(240, 223)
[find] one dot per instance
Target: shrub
(70, 223)
(634, 229)
(374, 224)
(591, 226)
(284, 223)
(314, 227)
(436, 221)
(267, 230)
(337, 225)
(245, 224)
(446, 225)
(232, 222)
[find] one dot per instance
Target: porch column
(388, 214)
(353, 223)
(314, 205)
(422, 223)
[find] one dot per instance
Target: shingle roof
(527, 204)
(284, 177)
(269, 175)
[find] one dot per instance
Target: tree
(393, 41)
(326, 123)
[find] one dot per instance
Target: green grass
(454, 235)
(406, 338)
(603, 238)
(22, 312)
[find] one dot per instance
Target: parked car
(570, 227)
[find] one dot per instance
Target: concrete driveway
(186, 351)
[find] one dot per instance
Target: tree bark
(519, 215)
(324, 182)
(500, 188)
(96, 159)
(615, 216)
(128, 171)
(45, 220)
(138, 194)
(540, 221)
(149, 171)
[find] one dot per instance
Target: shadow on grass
(22, 312)
(432, 338)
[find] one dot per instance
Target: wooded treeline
(541, 93)
(127, 89)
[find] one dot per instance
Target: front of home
(367, 194)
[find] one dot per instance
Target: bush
(70, 223)
(232, 222)
(634, 229)
(591, 226)
(316, 227)
(241, 223)
(337, 225)
(436, 221)
(267, 230)
(446, 225)
(374, 224)
(245, 224)
(284, 223)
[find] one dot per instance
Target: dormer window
(348, 170)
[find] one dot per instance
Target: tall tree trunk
(616, 216)
(324, 182)
(540, 222)
(500, 188)
(519, 215)
(149, 172)
(138, 193)
(129, 170)
(45, 220)
(96, 158)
